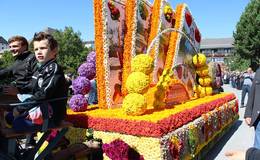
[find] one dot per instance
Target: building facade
(217, 49)
(3, 45)
(89, 44)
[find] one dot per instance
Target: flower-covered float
(155, 95)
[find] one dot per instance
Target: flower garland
(154, 125)
(98, 14)
(193, 139)
(106, 54)
(155, 25)
(156, 116)
(192, 132)
(175, 147)
(174, 38)
(129, 45)
(179, 24)
(169, 145)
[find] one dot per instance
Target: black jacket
(48, 83)
(21, 70)
(253, 103)
(253, 154)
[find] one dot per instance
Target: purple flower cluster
(87, 70)
(119, 150)
(78, 103)
(91, 58)
(81, 85)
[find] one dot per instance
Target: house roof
(3, 41)
(50, 30)
(217, 43)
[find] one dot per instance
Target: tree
(247, 34)
(7, 59)
(72, 52)
(237, 63)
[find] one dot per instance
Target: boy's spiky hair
(42, 36)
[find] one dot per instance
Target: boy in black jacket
(48, 83)
(21, 70)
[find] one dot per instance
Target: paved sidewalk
(240, 136)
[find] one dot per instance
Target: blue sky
(215, 18)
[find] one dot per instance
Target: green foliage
(237, 63)
(72, 52)
(6, 60)
(247, 34)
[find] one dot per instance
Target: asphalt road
(239, 137)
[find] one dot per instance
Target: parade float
(154, 90)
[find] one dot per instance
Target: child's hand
(15, 112)
(235, 155)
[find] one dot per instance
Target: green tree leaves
(71, 49)
(247, 34)
(6, 60)
(237, 63)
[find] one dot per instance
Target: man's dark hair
(23, 40)
(42, 36)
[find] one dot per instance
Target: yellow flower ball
(208, 91)
(199, 60)
(137, 82)
(202, 92)
(134, 104)
(203, 71)
(205, 81)
(142, 63)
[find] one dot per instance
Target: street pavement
(239, 137)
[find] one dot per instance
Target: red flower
(146, 128)
(119, 150)
(188, 18)
(197, 35)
